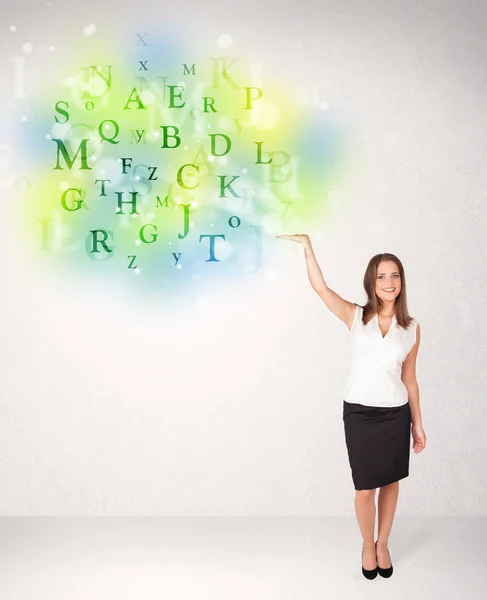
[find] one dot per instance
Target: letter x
(142, 65)
(141, 37)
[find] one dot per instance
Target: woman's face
(387, 281)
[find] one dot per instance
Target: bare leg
(387, 503)
(365, 511)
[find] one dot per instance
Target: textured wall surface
(236, 408)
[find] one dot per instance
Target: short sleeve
(411, 337)
(356, 317)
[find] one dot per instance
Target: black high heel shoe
(387, 572)
(368, 573)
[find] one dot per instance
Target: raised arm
(341, 308)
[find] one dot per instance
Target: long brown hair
(374, 303)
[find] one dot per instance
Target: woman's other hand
(419, 438)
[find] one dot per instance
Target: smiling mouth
(389, 290)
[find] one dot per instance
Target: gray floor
(91, 558)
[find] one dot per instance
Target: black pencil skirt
(378, 443)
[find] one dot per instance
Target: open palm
(300, 238)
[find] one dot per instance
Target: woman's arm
(315, 275)
(341, 308)
(408, 377)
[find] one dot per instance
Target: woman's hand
(301, 238)
(419, 438)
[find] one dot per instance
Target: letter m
(187, 71)
(61, 149)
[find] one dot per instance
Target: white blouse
(374, 376)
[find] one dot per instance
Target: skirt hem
(381, 484)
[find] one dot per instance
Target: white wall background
(237, 408)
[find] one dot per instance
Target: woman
(381, 395)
